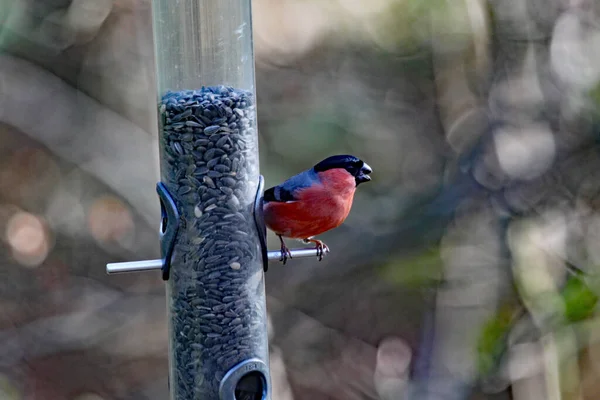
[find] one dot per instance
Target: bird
(314, 201)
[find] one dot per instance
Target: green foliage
(492, 341)
(594, 96)
(7, 390)
(580, 301)
(301, 134)
(422, 269)
(579, 304)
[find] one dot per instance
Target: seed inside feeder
(209, 164)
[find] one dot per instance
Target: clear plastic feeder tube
(209, 163)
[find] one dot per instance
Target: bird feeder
(212, 235)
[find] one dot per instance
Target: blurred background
(458, 274)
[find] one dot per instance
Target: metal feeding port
(246, 381)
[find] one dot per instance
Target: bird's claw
(285, 254)
(321, 250)
(320, 246)
(285, 251)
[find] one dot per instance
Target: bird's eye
(353, 167)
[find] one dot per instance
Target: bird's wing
(288, 190)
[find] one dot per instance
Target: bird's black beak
(363, 174)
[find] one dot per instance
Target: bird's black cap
(354, 165)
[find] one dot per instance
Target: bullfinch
(314, 201)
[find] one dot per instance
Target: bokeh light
(392, 367)
(28, 238)
(109, 220)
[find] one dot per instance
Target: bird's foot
(285, 251)
(322, 248)
(285, 254)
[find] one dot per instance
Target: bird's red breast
(318, 208)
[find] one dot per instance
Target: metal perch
(168, 232)
(147, 265)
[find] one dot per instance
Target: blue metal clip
(169, 227)
(259, 221)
